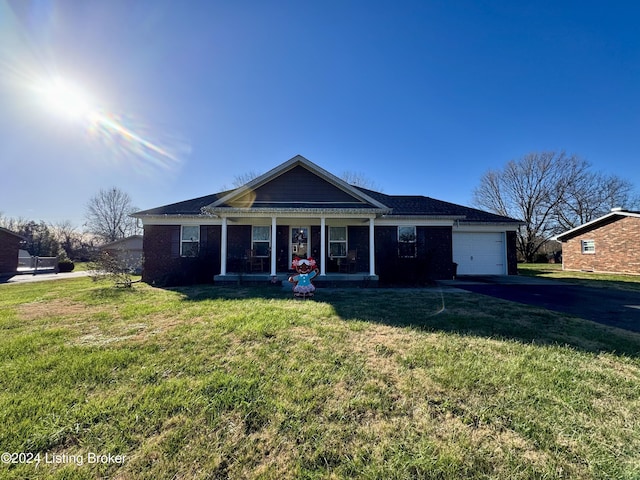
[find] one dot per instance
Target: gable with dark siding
(297, 187)
(301, 185)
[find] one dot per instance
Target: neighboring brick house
(9, 246)
(607, 244)
(299, 209)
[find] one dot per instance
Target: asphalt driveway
(617, 308)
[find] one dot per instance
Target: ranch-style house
(298, 209)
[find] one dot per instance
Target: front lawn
(213, 382)
(589, 279)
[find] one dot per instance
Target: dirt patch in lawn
(52, 308)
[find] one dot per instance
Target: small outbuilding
(9, 247)
(128, 251)
(607, 244)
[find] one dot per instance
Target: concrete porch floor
(361, 279)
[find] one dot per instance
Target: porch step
(281, 279)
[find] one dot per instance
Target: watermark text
(79, 459)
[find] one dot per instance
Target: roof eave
(6, 230)
(169, 215)
(225, 211)
(586, 226)
(513, 223)
(121, 240)
(427, 216)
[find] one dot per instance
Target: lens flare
(64, 98)
(68, 100)
(29, 67)
(124, 139)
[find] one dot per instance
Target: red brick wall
(163, 265)
(512, 253)
(9, 245)
(617, 246)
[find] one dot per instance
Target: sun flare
(66, 99)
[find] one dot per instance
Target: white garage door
(479, 253)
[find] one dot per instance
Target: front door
(299, 242)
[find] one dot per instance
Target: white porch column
(372, 247)
(274, 249)
(223, 247)
(323, 246)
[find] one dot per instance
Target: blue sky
(422, 97)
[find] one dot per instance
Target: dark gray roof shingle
(427, 206)
(188, 207)
(405, 205)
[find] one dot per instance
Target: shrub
(65, 266)
(109, 267)
(541, 258)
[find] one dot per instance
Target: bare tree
(39, 239)
(591, 195)
(67, 236)
(108, 213)
(240, 180)
(13, 224)
(359, 179)
(531, 189)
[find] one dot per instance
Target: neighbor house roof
(4, 230)
(614, 215)
(325, 192)
(132, 241)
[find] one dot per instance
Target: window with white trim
(407, 242)
(588, 246)
(261, 241)
(190, 240)
(337, 242)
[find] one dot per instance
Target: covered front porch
(260, 248)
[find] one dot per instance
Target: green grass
(212, 382)
(590, 279)
(81, 266)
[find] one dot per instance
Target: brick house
(9, 246)
(606, 244)
(299, 209)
